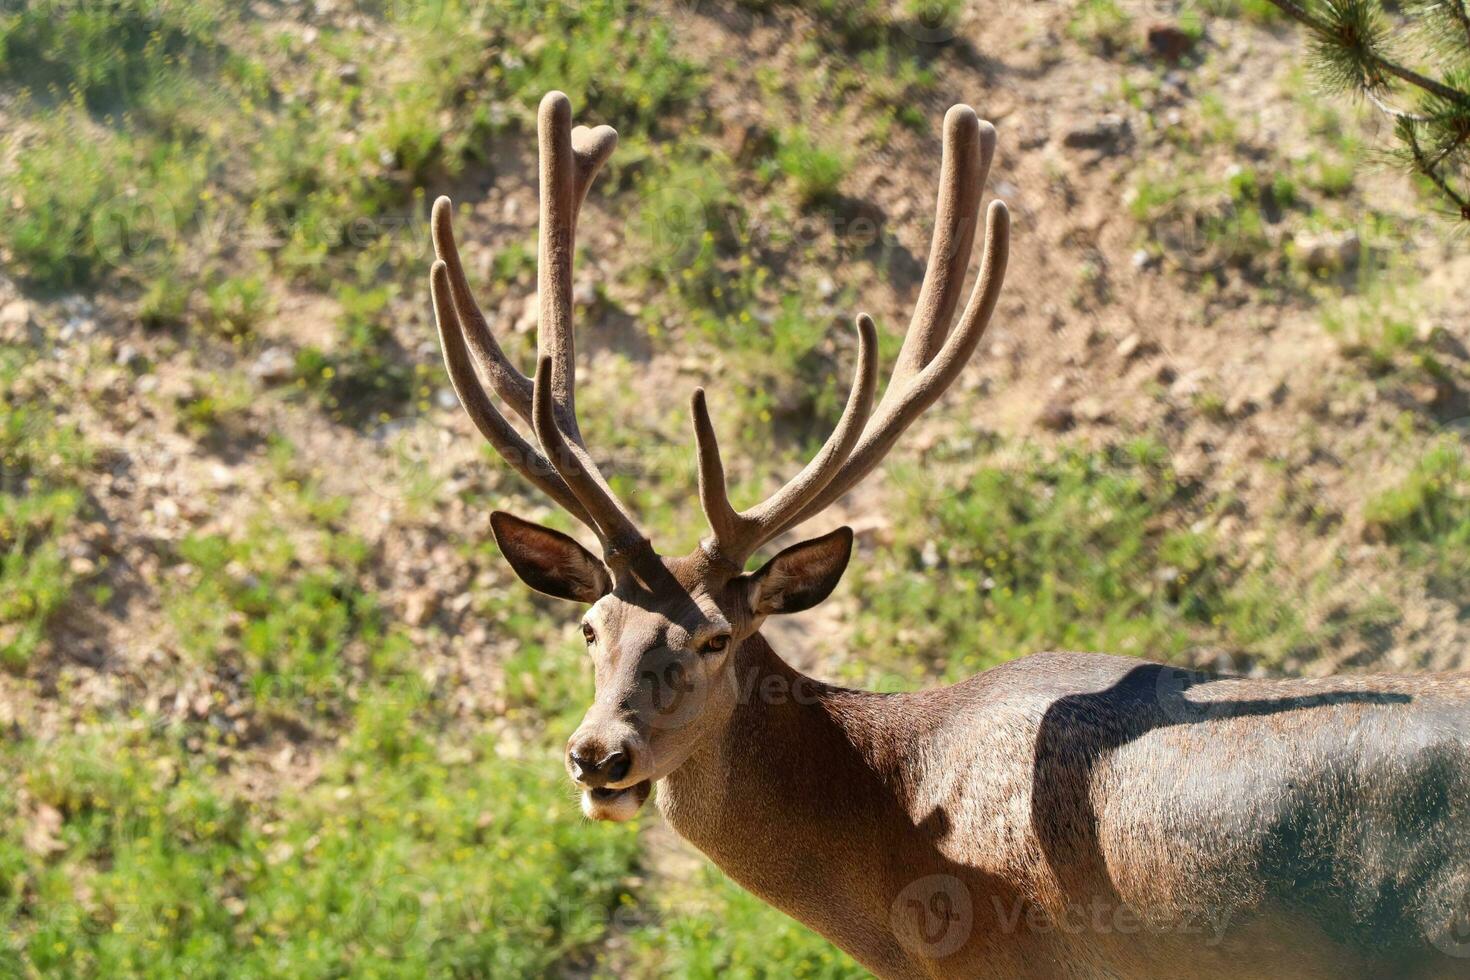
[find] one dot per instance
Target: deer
(1063, 815)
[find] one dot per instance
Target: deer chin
(616, 805)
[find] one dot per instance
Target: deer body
(1067, 815)
(1078, 815)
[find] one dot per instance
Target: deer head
(663, 632)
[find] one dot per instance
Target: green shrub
(814, 169)
(1427, 516)
(42, 461)
(1102, 25)
(1069, 551)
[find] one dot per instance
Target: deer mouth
(616, 804)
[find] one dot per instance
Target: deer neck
(803, 798)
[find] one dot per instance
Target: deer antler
(563, 467)
(928, 362)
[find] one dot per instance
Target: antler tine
(509, 383)
(613, 525)
(738, 534)
(969, 146)
(559, 197)
(903, 403)
(590, 149)
(714, 495)
(496, 429)
(569, 162)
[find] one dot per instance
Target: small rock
(1057, 416)
(445, 398)
(1189, 385)
(1431, 394)
(15, 317)
(1144, 259)
(275, 365)
(420, 607)
(584, 293)
(826, 287)
(1109, 133)
(1092, 410)
(128, 356)
(1330, 251)
(1168, 41)
(1131, 346)
(349, 74)
(42, 835)
(1239, 405)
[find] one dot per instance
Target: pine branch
(1462, 15)
(1454, 145)
(1327, 35)
(1423, 165)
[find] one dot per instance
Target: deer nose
(591, 766)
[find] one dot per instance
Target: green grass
(235, 304)
(114, 56)
(42, 464)
(393, 862)
(1070, 550)
(88, 202)
(814, 169)
(365, 377)
(1102, 25)
(295, 634)
(1427, 516)
(1379, 325)
(413, 844)
(1213, 220)
(703, 933)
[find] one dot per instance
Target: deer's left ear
(801, 576)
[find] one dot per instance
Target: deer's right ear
(549, 561)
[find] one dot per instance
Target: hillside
(276, 705)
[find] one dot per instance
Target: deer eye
(589, 634)
(715, 644)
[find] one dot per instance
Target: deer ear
(801, 576)
(549, 561)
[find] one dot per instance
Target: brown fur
(1096, 816)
